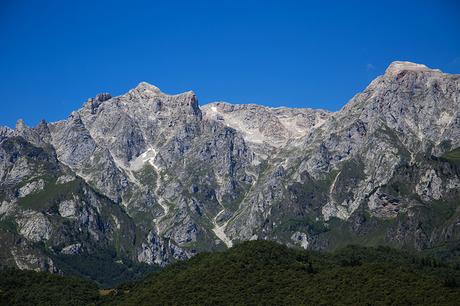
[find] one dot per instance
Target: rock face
(154, 178)
(264, 127)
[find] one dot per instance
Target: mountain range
(147, 178)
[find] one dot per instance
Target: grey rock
(31, 187)
(34, 226)
(72, 249)
(159, 178)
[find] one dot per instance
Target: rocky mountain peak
(42, 123)
(5, 132)
(94, 103)
(151, 96)
(399, 66)
(144, 87)
(21, 125)
(103, 97)
(412, 99)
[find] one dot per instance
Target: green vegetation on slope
(103, 267)
(37, 288)
(261, 273)
(50, 195)
(453, 156)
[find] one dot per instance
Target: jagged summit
(144, 88)
(103, 97)
(21, 125)
(147, 88)
(5, 132)
(398, 66)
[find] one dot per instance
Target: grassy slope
(453, 156)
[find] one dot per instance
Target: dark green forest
(39, 288)
(261, 273)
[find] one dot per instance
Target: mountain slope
(151, 178)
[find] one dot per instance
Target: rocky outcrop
(34, 226)
(265, 127)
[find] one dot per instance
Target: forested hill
(259, 272)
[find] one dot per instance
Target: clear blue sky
(56, 54)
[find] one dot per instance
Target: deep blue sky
(56, 54)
